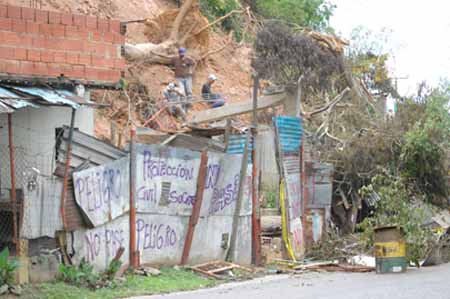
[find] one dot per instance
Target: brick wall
(37, 43)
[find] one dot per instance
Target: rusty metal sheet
(319, 183)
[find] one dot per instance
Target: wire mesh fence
(11, 213)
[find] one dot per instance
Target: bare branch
(235, 11)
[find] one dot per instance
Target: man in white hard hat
(215, 100)
(173, 95)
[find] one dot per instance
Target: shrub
(7, 268)
(397, 207)
(214, 9)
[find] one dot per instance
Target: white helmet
(171, 85)
(212, 77)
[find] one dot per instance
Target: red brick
(92, 73)
(32, 27)
(28, 13)
(91, 22)
(72, 45)
(26, 67)
(3, 10)
(20, 54)
(108, 37)
(34, 55)
(120, 64)
(102, 62)
(6, 53)
(67, 19)
(14, 39)
(40, 68)
(114, 26)
(5, 24)
(96, 48)
(67, 70)
(40, 42)
(78, 71)
(103, 25)
(72, 58)
(9, 66)
(95, 36)
(85, 59)
(19, 26)
(52, 30)
(119, 39)
(76, 33)
(59, 57)
(54, 69)
(54, 17)
(47, 56)
(14, 12)
(115, 75)
(41, 16)
(79, 20)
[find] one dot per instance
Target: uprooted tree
(176, 28)
(352, 132)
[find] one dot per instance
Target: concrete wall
(35, 137)
(163, 211)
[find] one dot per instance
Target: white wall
(35, 137)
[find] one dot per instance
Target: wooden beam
(237, 109)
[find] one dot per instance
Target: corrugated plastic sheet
(236, 145)
(290, 131)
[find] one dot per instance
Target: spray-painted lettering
(153, 168)
(153, 236)
(109, 240)
(97, 189)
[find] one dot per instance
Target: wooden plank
(193, 220)
(236, 109)
(221, 269)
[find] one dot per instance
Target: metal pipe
(256, 219)
(134, 262)
(13, 180)
(193, 220)
(67, 169)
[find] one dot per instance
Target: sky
(419, 38)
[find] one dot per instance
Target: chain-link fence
(10, 213)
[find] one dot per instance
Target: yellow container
(390, 250)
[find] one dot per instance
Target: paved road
(433, 282)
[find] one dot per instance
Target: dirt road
(422, 283)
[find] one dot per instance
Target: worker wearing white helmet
(174, 95)
(215, 100)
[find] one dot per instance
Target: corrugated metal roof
(236, 145)
(17, 97)
(289, 131)
(52, 96)
(86, 147)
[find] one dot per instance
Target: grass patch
(170, 280)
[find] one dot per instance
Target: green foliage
(214, 9)
(270, 196)
(113, 268)
(82, 276)
(85, 276)
(426, 146)
(368, 55)
(7, 268)
(314, 14)
(396, 207)
(170, 280)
